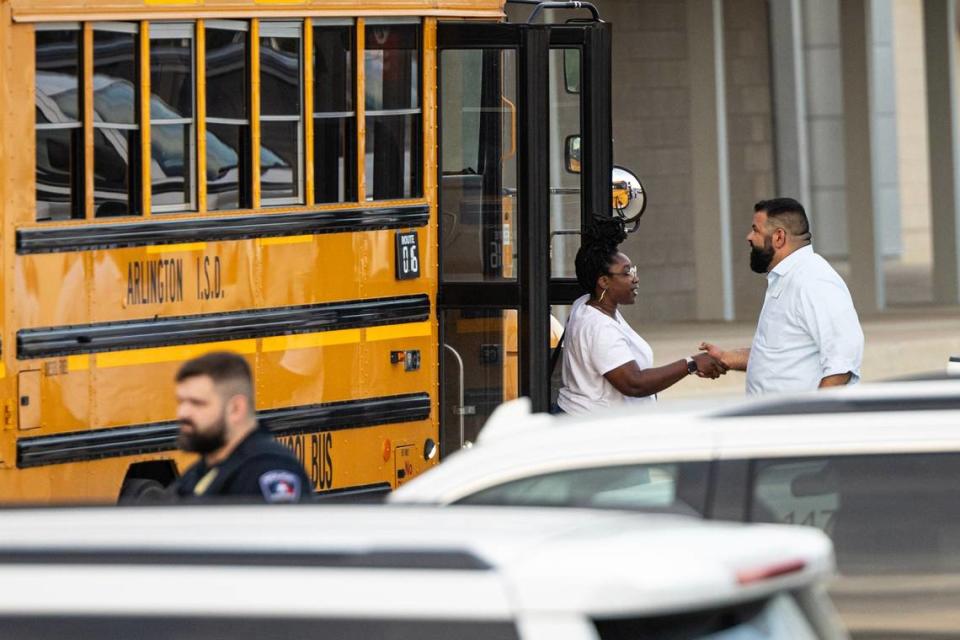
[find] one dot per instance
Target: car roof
(920, 394)
(312, 560)
(866, 419)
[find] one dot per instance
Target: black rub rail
(233, 325)
(454, 560)
(161, 436)
(137, 234)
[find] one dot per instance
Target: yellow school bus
(374, 202)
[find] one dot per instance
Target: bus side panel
(65, 395)
(174, 280)
(334, 460)
(96, 388)
(339, 460)
(17, 194)
(94, 481)
(211, 277)
(51, 290)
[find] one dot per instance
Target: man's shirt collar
(791, 261)
(776, 276)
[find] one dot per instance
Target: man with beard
(808, 335)
(238, 460)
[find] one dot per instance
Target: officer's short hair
(229, 372)
(787, 213)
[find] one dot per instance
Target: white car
(363, 572)
(876, 467)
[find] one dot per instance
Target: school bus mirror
(629, 196)
(571, 70)
(571, 153)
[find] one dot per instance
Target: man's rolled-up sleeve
(829, 316)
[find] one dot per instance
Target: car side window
(795, 492)
(670, 487)
(886, 513)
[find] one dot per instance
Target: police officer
(238, 460)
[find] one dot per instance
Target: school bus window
(172, 148)
(281, 117)
(394, 133)
(334, 130)
(59, 134)
(116, 139)
(228, 116)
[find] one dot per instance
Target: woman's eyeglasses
(631, 272)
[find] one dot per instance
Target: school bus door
(501, 142)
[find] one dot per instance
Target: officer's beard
(203, 442)
(761, 257)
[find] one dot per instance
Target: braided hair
(601, 240)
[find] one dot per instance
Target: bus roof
(76, 10)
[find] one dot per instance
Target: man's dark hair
(601, 240)
(787, 213)
(227, 370)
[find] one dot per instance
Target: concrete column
(939, 26)
(790, 100)
(866, 279)
(710, 163)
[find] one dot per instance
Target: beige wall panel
(750, 131)
(652, 131)
(651, 136)
(913, 160)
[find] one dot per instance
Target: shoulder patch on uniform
(280, 486)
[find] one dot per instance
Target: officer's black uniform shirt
(259, 469)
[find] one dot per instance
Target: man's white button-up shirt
(808, 328)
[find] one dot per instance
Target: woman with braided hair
(605, 362)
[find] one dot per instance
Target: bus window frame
(417, 165)
(249, 184)
(284, 29)
(169, 31)
(77, 186)
(245, 179)
(135, 189)
(349, 178)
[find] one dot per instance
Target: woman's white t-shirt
(595, 344)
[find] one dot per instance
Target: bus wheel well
(146, 479)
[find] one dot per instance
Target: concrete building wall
(652, 135)
(825, 121)
(750, 135)
(661, 103)
(651, 131)
(883, 97)
(913, 159)
(821, 45)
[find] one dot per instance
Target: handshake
(710, 363)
